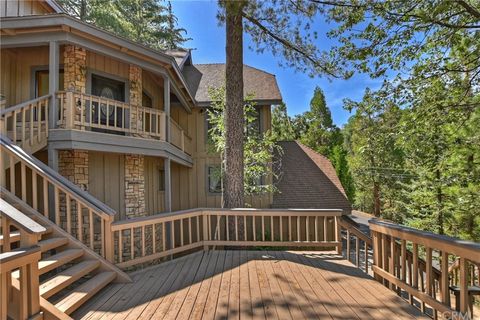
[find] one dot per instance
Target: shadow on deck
(250, 284)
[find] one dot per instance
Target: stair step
(14, 237)
(55, 261)
(82, 293)
(67, 277)
(58, 260)
(52, 243)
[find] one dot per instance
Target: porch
(250, 284)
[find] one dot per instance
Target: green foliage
(339, 161)
(144, 21)
(282, 127)
(258, 147)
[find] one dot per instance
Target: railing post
(338, 235)
(182, 140)
(69, 110)
(206, 236)
(108, 241)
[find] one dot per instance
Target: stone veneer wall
(75, 68)
(135, 80)
(134, 186)
(75, 73)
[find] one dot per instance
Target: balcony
(87, 112)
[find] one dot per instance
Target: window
(214, 179)
(146, 100)
(161, 180)
(42, 82)
(108, 88)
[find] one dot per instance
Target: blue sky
(208, 40)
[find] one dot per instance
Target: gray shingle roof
(200, 77)
(307, 180)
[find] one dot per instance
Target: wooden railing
(27, 123)
(363, 245)
(149, 238)
(54, 196)
(179, 137)
(392, 267)
(85, 112)
(19, 301)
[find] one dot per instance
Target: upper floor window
(108, 88)
(42, 82)
(147, 100)
(214, 179)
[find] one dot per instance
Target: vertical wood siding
(18, 8)
(106, 179)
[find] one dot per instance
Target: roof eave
(59, 19)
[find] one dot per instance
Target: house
(105, 167)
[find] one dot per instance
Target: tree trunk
(234, 114)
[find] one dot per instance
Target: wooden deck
(250, 284)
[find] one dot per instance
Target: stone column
(134, 186)
(135, 79)
(75, 68)
(75, 76)
(73, 165)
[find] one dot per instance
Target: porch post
(168, 184)
(166, 102)
(53, 81)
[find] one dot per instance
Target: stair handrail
(76, 211)
(23, 104)
(32, 129)
(23, 302)
(56, 178)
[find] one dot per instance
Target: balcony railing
(88, 112)
(180, 138)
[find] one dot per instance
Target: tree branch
(289, 45)
(474, 12)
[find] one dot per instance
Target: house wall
(202, 158)
(17, 72)
(17, 8)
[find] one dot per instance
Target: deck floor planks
(181, 295)
(234, 295)
(321, 311)
(183, 280)
(353, 297)
(201, 299)
(333, 281)
(249, 284)
(205, 271)
(371, 290)
(221, 311)
(258, 311)
(245, 298)
(212, 298)
(156, 285)
(267, 298)
(305, 306)
(288, 292)
(281, 305)
(163, 290)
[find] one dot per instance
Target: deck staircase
(71, 267)
(70, 273)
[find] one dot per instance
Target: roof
(201, 77)
(307, 179)
(180, 56)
